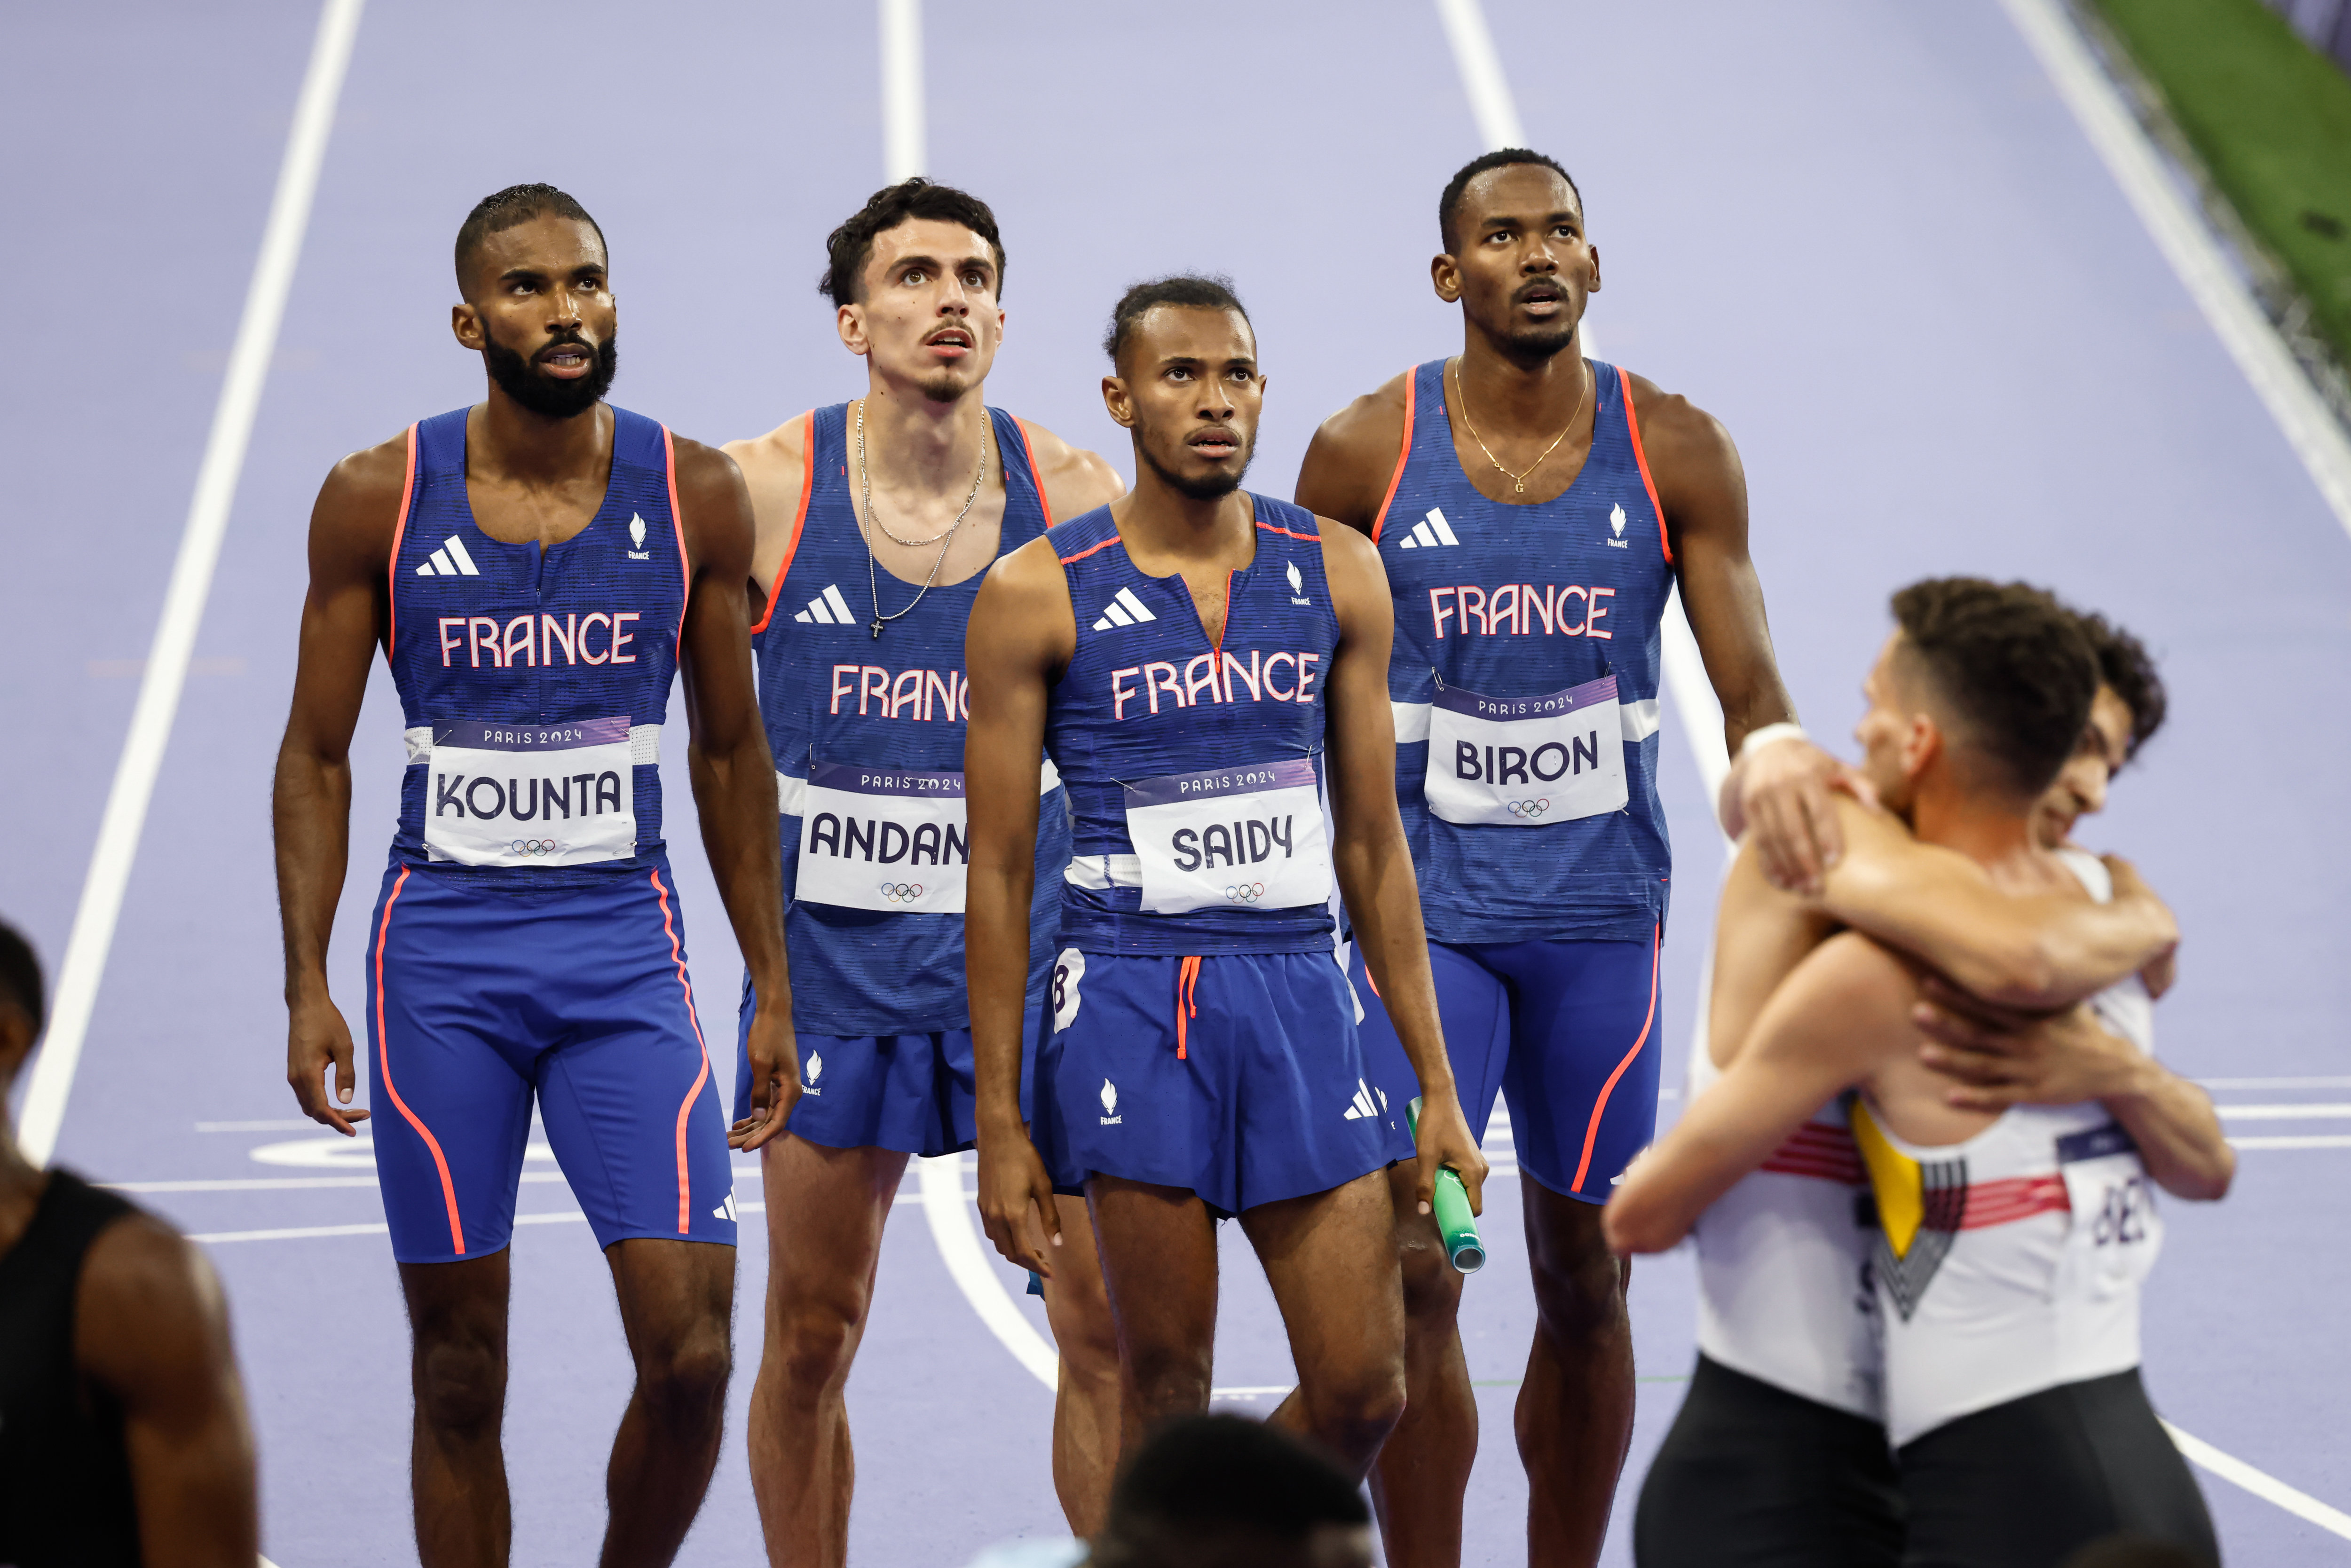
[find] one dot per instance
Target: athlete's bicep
(1017, 637)
(1361, 723)
(714, 643)
(346, 608)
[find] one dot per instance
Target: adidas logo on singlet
(1429, 532)
(826, 609)
(449, 560)
(1125, 610)
(1361, 1108)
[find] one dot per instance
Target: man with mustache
(539, 569)
(876, 519)
(1200, 663)
(1533, 510)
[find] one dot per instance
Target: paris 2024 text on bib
(1231, 838)
(1526, 762)
(519, 794)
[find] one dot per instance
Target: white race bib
(1233, 837)
(878, 837)
(1526, 762)
(2117, 1230)
(554, 794)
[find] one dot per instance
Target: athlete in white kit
(877, 521)
(1777, 1457)
(2009, 1243)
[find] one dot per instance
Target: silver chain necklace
(945, 541)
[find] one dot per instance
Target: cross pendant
(877, 628)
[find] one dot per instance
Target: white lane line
(191, 584)
(2313, 432)
(2337, 1083)
(2285, 1113)
(903, 134)
(2268, 1487)
(2292, 1140)
(275, 1124)
(954, 1230)
(2180, 235)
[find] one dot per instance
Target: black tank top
(65, 1481)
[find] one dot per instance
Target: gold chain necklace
(1520, 480)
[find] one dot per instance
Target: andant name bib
(547, 794)
(1526, 762)
(1231, 838)
(885, 839)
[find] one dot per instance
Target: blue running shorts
(912, 1093)
(1567, 1031)
(478, 1003)
(1237, 1076)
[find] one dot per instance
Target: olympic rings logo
(536, 847)
(1530, 810)
(902, 892)
(1246, 893)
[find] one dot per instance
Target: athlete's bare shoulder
(1023, 617)
(1075, 480)
(775, 473)
(358, 508)
(1683, 442)
(1353, 456)
(141, 1276)
(713, 503)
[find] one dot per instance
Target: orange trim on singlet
(1823, 1154)
(2006, 1201)
(1090, 549)
(1292, 533)
(1036, 475)
(1403, 452)
(1599, 1108)
(684, 1177)
(1187, 995)
(1633, 427)
(391, 567)
(383, 1061)
(799, 518)
(677, 532)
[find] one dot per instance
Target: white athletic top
(1783, 1290)
(2012, 1262)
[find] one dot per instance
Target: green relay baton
(1455, 1223)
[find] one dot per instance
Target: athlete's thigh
(1158, 1250)
(2021, 1483)
(628, 1095)
(1473, 1009)
(826, 1211)
(1330, 1260)
(677, 1297)
(1582, 1072)
(447, 1065)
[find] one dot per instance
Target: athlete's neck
(1162, 528)
(1961, 814)
(1516, 393)
(914, 446)
(506, 443)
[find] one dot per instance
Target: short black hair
(1203, 1479)
(1197, 290)
(1448, 206)
(502, 210)
(20, 978)
(2125, 664)
(848, 247)
(2012, 662)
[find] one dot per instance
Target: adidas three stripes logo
(1430, 533)
(449, 560)
(826, 609)
(1125, 610)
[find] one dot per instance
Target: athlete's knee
(1579, 1283)
(1168, 1380)
(1432, 1286)
(1355, 1406)
(687, 1376)
(816, 1337)
(1079, 1310)
(460, 1383)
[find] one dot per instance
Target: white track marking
(191, 584)
(955, 1229)
(278, 1124)
(2295, 1141)
(2312, 431)
(2178, 232)
(2274, 1083)
(904, 153)
(291, 1233)
(2269, 1489)
(2285, 1113)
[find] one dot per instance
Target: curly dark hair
(848, 247)
(2125, 664)
(2013, 663)
(1448, 206)
(1184, 288)
(502, 210)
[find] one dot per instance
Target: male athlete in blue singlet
(876, 519)
(537, 568)
(1533, 509)
(1200, 663)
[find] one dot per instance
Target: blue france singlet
(1511, 624)
(868, 737)
(1222, 745)
(533, 683)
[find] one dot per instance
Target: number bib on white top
(505, 794)
(2117, 1230)
(885, 839)
(1526, 762)
(1232, 838)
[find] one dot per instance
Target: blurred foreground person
(1223, 1489)
(122, 1431)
